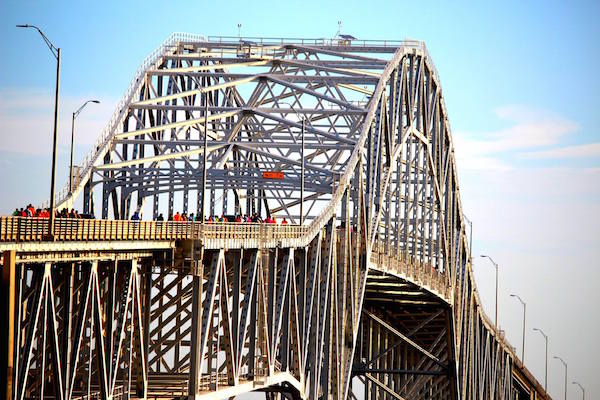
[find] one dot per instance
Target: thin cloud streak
(529, 129)
(579, 151)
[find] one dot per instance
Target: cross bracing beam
(235, 79)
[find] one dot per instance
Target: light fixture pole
(56, 53)
(565, 365)
(495, 266)
(303, 118)
(302, 173)
(580, 387)
(470, 237)
(205, 157)
(546, 369)
(75, 114)
(524, 313)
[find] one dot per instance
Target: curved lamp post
(580, 387)
(303, 118)
(546, 369)
(75, 114)
(56, 53)
(524, 313)
(566, 369)
(495, 266)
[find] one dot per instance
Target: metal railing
(258, 40)
(409, 266)
(21, 229)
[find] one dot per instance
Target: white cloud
(27, 115)
(578, 151)
(529, 129)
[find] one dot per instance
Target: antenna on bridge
(239, 31)
(339, 31)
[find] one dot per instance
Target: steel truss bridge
(371, 296)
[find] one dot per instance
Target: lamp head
(95, 101)
(22, 26)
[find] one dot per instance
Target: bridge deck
(27, 230)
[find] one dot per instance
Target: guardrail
(404, 263)
(20, 229)
(257, 40)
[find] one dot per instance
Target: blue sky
(520, 81)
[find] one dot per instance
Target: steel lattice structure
(373, 296)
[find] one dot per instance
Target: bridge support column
(196, 353)
(7, 315)
(88, 206)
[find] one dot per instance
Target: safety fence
(20, 229)
(405, 264)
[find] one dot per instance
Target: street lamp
(565, 365)
(303, 118)
(581, 387)
(496, 266)
(75, 114)
(524, 312)
(204, 158)
(546, 370)
(470, 237)
(56, 53)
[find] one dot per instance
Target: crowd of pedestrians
(212, 219)
(31, 212)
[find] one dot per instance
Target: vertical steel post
(302, 174)
(196, 352)
(566, 370)
(580, 387)
(524, 315)
(69, 283)
(496, 313)
(7, 316)
(71, 164)
(546, 369)
(75, 114)
(205, 156)
(495, 266)
(523, 349)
